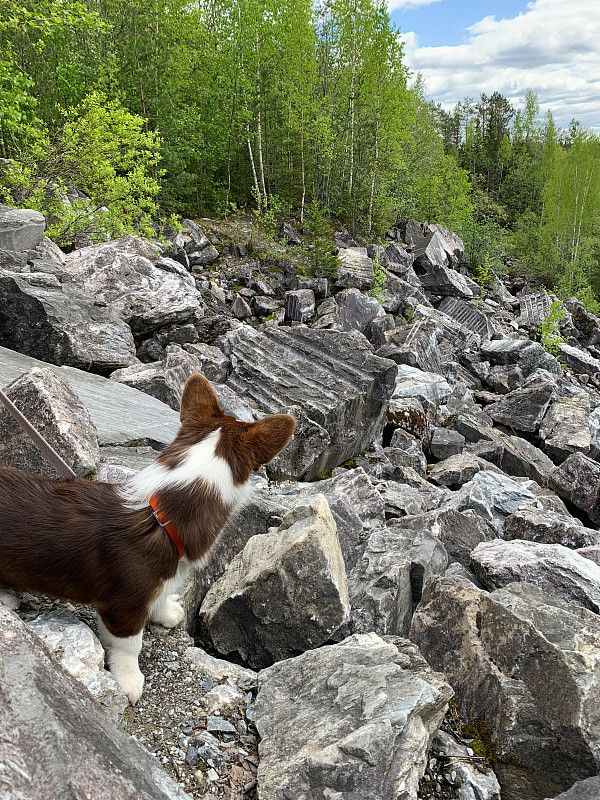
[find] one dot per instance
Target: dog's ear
(270, 435)
(199, 400)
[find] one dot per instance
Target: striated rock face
(339, 385)
(58, 414)
(146, 295)
(352, 720)
(578, 480)
(285, 593)
(527, 667)
(56, 740)
(549, 527)
(57, 322)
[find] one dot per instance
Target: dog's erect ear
(199, 400)
(270, 435)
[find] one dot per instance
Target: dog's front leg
(122, 654)
(166, 609)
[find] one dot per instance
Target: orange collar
(161, 517)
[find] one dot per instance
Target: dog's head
(245, 446)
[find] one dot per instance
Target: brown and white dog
(104, 544)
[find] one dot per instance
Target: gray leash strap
(63, 469)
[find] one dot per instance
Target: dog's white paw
(131, 681)
(170, 613)
(9, 600)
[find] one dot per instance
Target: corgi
(124, 548)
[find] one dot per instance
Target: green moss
(350, 464)
(322, 476)
(480, 734)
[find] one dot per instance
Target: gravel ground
(191, 717)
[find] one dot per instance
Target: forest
(123, 112)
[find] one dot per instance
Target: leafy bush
(548, 332)
(319, 240)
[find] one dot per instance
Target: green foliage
(379, 278)
(322, 262)
(548, 333)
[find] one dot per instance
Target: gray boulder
(417, 345)
(533, 310)
(57, 741)
(558, 571)
(527, 354)
(580, 361)
(526, 669)
(416, 383)
(214, 365)
(565, 428)
(523, 409)
(577, 479)
(355, 269)
(445, 443)
(338, 389)
(55, 321)
(352, 720)
(446, 282)
(299, 305)
(356, 310)
(285, 593)
(548, 527)
(455, 470)
(58, 414)
(20, 229)
(469, 316)
(582, 790)
(146, 295)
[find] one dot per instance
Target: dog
(124, 548)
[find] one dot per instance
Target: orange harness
(160, 516)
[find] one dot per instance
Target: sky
(466, 47)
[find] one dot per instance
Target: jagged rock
(458, 338)
(577, 479)
(20, 229)
(290, 234)
(533, 309)
(455, 470)
(163, 379)
(285, 593)
(240, 308)
(586, 324)
(147, 296)
(355, 270)
(504, 378)
(339, 390)
(377, 328)
(214, 365)
(580, 361)
(445, 443)
(513, 455)
(415, 383)
(200, 251)
(527, 354)
(402, 500)
(266, 307)
(356, 310)
(386, 584)
(58, 414)
(523, 409)
(57, 741)
(349, 720)
(565, 428)
(150, 350)
(549, 527)
(416, 344)
(410, 232)
(230, 690)
(430, 252)
(459, 532)
(445, 281)
(469, 316)
(397, 259)
(408, 413)
(492, 496)
(475, 781)
(582, 790)
(406, 450)
(121, 415)
(79, 651)
(525, 665)
(300, 305)
(57, 322)
(559, 571)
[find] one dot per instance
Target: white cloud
(552, 48)
(404, 5)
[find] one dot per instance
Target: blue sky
(465, 48)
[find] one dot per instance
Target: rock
(577, 479)
(458, 338)
(445, 282)
(57, 322)
(356, 310)
(549, 527)
(525, 669)
(416, 345)
(266, 307)
(289, 233)
(147, 296)
(492, 496)
(410, 232)
(339, 390)
(582, 790)
(412, 382)
(348, 720)
(213, 364)
(122, 416)
(79, 651)
(240, 308)
(20, 229)
(150, 351)
(387, 582)
(533, 309)
(445, 443)
(299, 305)
(476, 780)
(405, 450)
(451, 242)
(515, 456)
(565, 428)
(163, 379)
(469, 316)
(459, 532)
(401, 499)
(58, 414)
(408, 413)
(197, 246)
(284, 593)
(523, 409)
(580, 361)
(527, 354)
(57, 741)
(355, 270)
(503, 378)
(397, 259)
(558, 571)
(181, 335)
(455, 470)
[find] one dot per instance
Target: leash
(63, 469)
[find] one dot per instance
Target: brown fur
(80, 541)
